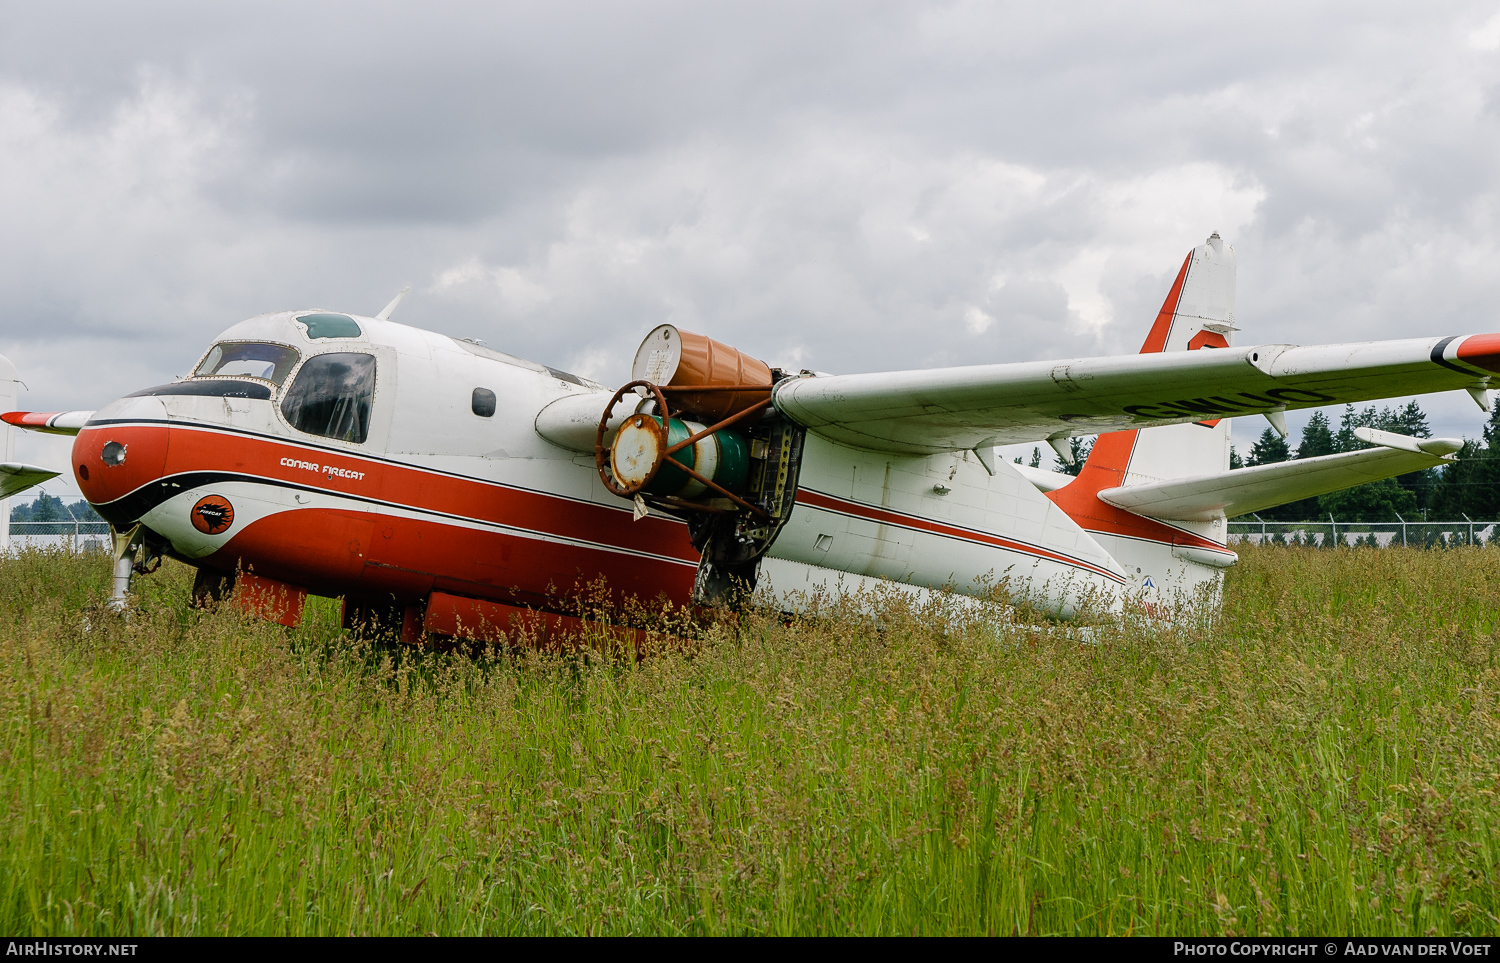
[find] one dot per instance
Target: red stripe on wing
(28, 419)
(1481, 351)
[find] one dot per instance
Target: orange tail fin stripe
(1156, 341)
(1106, 468)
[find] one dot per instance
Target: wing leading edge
(955, 409)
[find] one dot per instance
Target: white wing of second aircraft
(954, 409)
(17, 478)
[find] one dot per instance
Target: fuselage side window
(331, 396)
(248, 359)
(483, 403)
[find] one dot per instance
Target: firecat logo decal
(212, 514)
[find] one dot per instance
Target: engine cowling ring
(602, 454)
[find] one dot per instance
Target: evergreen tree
(48, 508)
(1235, 461)
(1412, 420)
(84, 512)
(1317, 437)
(1376, 502)
(1270, 449)
(1080, 450)
(1379, 501)
(1353, 418)
(1471, 484)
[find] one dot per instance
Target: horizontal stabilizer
(48, 422)
(1244, 490)
(17, 478)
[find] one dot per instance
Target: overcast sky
(839, 186)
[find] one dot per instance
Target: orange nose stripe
(104, 479)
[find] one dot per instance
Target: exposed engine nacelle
(721, 457)
(694, 434)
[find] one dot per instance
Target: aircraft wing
(954, 409)
(17, 478)
(1246, 490)
(48, 422)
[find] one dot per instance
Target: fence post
(1333, 528)
(1262, 526)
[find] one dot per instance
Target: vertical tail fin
(1198, 314)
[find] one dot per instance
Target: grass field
(1325, 759)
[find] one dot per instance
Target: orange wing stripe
(1481, 351)
(29, 419)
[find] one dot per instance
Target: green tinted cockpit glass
(330, 326)
(251, 359)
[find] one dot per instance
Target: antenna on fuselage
(389, 309)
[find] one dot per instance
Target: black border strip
(153, 494)
(1437, 356)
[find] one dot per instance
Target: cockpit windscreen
(249, 359)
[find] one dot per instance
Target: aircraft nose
(114, 459)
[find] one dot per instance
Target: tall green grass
(1324, 759)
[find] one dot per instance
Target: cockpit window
(331, 396)
(330, 326)
(249, 359)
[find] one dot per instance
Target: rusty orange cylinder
(682, 359)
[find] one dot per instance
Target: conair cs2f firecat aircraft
(440, 486)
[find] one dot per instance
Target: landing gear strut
(126, 546)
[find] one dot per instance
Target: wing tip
(48, 422)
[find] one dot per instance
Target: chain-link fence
(71, 536)
(1450, 534)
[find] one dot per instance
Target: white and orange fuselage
(436, 498)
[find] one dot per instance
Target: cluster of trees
(49, 508)
(1468, 486)
(1080, 450)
